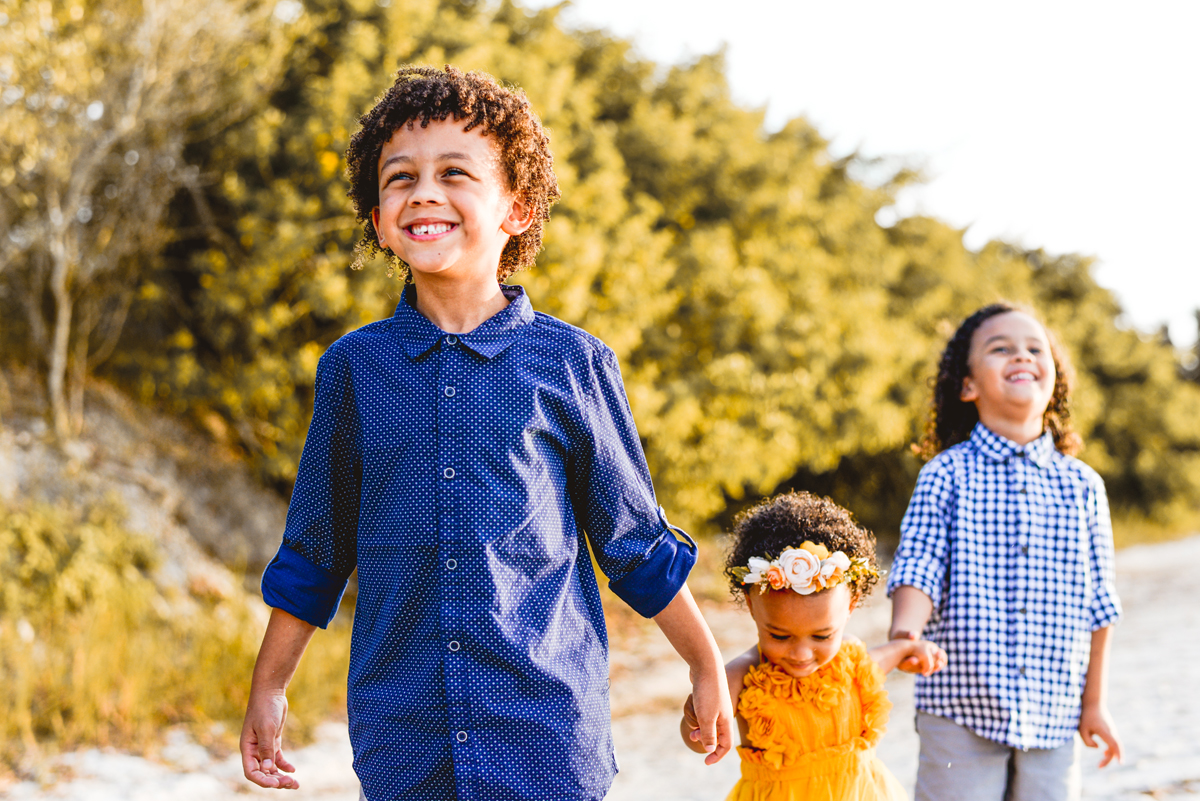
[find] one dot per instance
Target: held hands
(923, 656)
(708, 718)
(1095, 723)
(262, 743)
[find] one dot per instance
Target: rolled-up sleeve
(1105, 606)
(308, 575)
(923, 554)
(635, 546)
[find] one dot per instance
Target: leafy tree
(99, 98)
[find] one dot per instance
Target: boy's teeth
(426, 230)
(1022, 376)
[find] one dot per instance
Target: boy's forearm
(279, 656)
(1095, 688)
(911, 609)
(688, 634)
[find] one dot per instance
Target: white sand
(1154, 697)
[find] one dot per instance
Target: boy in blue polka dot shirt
(462, 457)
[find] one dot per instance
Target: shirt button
(1022, 671)
(454, 646)
(1023, 491)
(1024, 550)
(451, 564)
(461, 736)
(448, 472)
(449, 392)
(452, 340)
(1022, 610)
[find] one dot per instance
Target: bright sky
(1072, 126)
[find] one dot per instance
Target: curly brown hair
(424, 95)
(787, 521)
(951, 419)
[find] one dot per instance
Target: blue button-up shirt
(464, 476)
(1014, 546)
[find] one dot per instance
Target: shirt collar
(418, 336)
(1000, 449)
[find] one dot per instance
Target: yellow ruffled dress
(813, 738)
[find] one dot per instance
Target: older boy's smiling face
(1011, 369)
(444, 205)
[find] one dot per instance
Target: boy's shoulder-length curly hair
(422, 95)
(788, 521)
(952, 419)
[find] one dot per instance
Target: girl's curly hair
(951, 419)
(423, 95)
(787, 521)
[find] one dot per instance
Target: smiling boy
(463, 455)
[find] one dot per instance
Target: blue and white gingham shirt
(1014, 546)
(465, 476)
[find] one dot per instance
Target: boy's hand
(262, 743)
(1095, 722)
(924, 657)
(712, 713)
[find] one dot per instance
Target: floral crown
(807, 569)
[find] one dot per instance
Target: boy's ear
(375, 224)
(519, 217)
(969, 393)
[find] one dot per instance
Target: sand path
(1154, 692)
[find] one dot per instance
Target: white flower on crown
(802, 569)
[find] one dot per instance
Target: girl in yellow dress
(810, 703)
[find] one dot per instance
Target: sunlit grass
(94, 653)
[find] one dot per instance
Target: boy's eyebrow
(401, 157)
(994, 337)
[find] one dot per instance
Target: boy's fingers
(724, 741)
(1086, 736)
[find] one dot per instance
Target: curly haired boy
(462, 457)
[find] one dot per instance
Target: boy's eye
(455, 171)
(396, 176)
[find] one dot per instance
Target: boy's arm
(262, 731)
(687, 632)
(1094, 719)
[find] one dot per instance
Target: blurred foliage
(93, 651)
(99, 98)
(773, 333)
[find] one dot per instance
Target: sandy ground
(1154, 697)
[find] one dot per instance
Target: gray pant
(956, 764)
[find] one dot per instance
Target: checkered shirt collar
(997, 448)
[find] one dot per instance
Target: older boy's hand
(713, 713)
(1095, 723)
(262, 743)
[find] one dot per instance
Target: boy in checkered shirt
(1006, 562)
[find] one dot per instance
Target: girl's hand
(689, 727)
(1095, 722)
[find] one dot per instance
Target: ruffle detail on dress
(875, 702)
(824, 688)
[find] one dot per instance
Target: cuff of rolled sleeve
(302, 589)
(654, 583)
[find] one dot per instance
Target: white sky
(1073, 126)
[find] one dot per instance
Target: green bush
(93, 651)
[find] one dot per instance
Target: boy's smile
(444, 205)
(800, 633)
(1011, 373)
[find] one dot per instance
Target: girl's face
(1011, 368)
(800, 633)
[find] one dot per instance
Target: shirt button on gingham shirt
(1014, 546)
